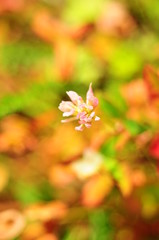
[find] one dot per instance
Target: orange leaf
(48, 236)
(135, 93)
(33, 230)
(151, 78)
(96, 189)
(4, 177)
(42, 26)
(11, 5)
(61, 175)
(65, 51)
(116, 20)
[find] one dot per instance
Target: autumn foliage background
(57, 183)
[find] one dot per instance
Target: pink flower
(81, 111)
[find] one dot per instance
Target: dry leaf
(63, 146)
(45, 212)
(4, 176)
(12, 223)
(16, 136)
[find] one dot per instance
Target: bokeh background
(57, 183)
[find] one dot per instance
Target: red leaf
(154, 147)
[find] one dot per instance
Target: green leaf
(101, 225)
(114, 95)
(133, 127)
(80, 12)
(125, 62)
(88, 68)
(108, 149)
(26, 193)
(113, 166)
(109, 109)
(23, 55)
(78, 232)
(38, 98)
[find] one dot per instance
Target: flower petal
(81, 115)
(80, 110)
(92, 114)
(66, 106)
(67, 114)
(88, 125)
(79, 128)
(97, 118)
(75, 98)
(69, 119)
(90, 98)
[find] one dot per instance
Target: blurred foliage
(57, 183)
